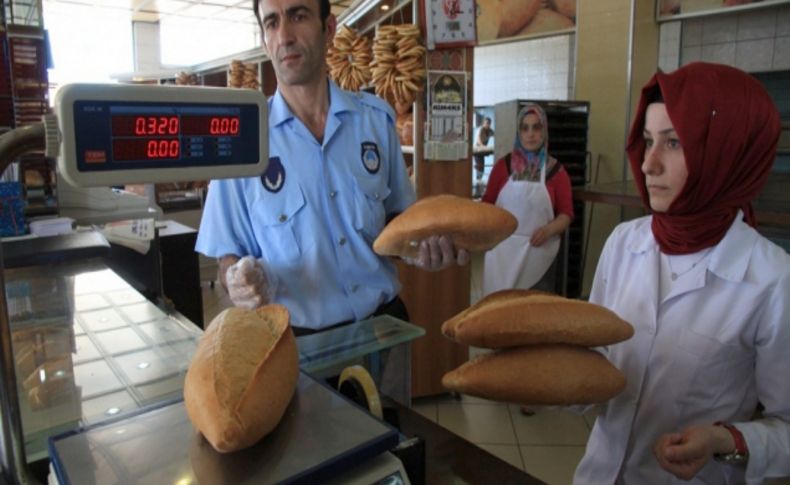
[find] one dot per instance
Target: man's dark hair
(487, 118)
(323, 10)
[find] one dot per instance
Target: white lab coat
(716, 345)
(515, 263)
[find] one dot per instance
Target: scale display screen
(115, 134)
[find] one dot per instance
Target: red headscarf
(729, 127)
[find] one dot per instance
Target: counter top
(772, 209)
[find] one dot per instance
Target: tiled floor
(547, 445)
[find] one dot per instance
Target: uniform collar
(729, 259)
(339, 101)
(642, 241)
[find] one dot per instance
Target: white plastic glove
(248, 286)
(438, 253)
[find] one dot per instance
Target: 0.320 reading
(156, 125)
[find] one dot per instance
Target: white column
(147, 54)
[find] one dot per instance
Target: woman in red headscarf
(708, 296)
(536, 189)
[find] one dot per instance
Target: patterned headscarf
(729, 128)
(526, 165)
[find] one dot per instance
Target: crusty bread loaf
(448, 327)
(511, 318)
(474, 226)
(242, 376)
(540, 374)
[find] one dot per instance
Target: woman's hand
(553, 228)
(684, 454)
(540, 236)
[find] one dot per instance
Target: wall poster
(500, 20)
(675, 9)
(447, 136)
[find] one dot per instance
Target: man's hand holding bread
(246, 281)
(439, 231)
(437, 253)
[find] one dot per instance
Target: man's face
(295, 40)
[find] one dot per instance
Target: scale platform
(321, 436)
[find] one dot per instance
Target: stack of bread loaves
(242, 376)
(541, 354)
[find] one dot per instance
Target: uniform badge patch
(273, 178)
(370, 156)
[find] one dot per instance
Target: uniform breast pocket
(708, 367)
(275, 219)
(369, 213)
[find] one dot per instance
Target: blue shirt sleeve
(225, 227)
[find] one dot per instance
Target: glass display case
(88, 348)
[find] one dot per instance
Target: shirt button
(353, 288)
(332, 194)
(283, 218)
(341, 241)
(376, 196)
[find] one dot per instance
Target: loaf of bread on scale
(242, 376)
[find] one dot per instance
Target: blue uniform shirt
(311, 218)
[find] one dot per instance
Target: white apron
(514, 263)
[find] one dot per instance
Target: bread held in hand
(242, 376)
(474, 226)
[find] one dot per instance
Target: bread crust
(448, 327)
(242, 376)
(474, 226)
(511, 318)
(550, 374)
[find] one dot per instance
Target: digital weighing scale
(321, 437)
(105, 135)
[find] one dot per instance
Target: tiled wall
(530, 69)
(669, 46)
(755, 40)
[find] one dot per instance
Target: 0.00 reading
(163, 148)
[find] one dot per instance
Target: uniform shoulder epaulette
(377, 103)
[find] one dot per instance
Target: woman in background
(536, 189)
(708, 296)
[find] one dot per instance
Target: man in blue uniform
(301, 233)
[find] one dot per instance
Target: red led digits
(224, 126)
(140, 149)
(162, 148)
(210, 125)
(158, 137)
(155, 125)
